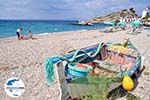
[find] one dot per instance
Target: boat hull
(94, 55)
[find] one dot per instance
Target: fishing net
(49, 71)
(94, 87)
(78, 56)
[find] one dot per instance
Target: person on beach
(30, 36)
(19, 33)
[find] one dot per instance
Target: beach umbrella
(122, 24)
(135, 24)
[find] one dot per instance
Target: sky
(65, 9)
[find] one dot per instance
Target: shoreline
(51, 33)
(62, 32)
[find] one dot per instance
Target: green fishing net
(49, 71)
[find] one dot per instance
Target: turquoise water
(8, 27)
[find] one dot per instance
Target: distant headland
(126, 14)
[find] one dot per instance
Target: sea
(8, 27)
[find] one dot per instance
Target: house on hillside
(146, 12)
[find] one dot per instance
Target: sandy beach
(25, 59)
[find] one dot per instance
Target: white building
(146, 12)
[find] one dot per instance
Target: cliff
(114, 16)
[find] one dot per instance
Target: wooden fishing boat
(75, 69)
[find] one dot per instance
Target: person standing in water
(19, 33)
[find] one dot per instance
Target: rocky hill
(114, 16)
(146, 20)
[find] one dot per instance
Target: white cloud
(94, 4)
(56, 9)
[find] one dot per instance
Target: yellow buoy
(127, 83)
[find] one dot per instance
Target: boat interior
(111, 60)
(117, 60)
